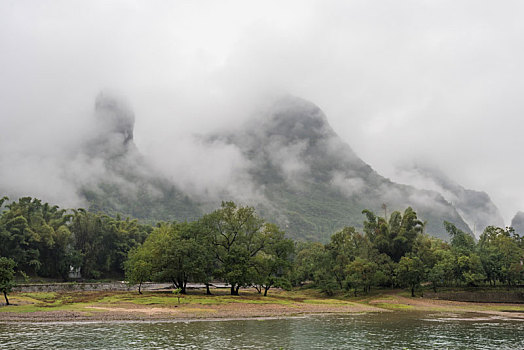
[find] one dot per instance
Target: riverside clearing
(164, 305)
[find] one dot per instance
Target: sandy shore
(114, 306)
(109, 312)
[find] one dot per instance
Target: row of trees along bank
(395, 253)
(46, 241)
(234, 245)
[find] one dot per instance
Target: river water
(394, 330)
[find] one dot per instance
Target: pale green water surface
(395, 330)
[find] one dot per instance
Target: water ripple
(368, 331)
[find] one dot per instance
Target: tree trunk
(236, 289)
(208, 292)
(6, 300)
(140, 288)
(265, 290)
(412, 291)
(183, 288)
(339, 281)
(233, 290)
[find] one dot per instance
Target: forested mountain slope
(309, 181)
(313, 181)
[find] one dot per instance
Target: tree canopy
(7, 274)
(233, 244)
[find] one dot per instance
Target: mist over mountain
(314, 183)
(475, 207)
(285, 159)
(518, 223)
(121, 180)
(395, 80)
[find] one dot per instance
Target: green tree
(188, 255)
(207, 264)
(314, 263)
(238, 236)
(410, 272)
(396, 236)
(470, 269)
(385, 273)
(177, 253)
(103, 242)
(138, 267)
(461, 242)
(344, 247)
(36, 235)
(273, 263)
(361, 274)
(442, 271)
(19, 241)
(87, 229)
(54, 239)
(467, 266)
(118, 238)
(500, 254)
(7, 274)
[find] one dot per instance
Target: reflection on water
(395, 330)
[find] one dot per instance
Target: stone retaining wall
(73, 286)
(510, 296)
(103, 286)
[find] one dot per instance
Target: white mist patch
(289, 158)
(205, 170)
(475, 207)
(347, 185)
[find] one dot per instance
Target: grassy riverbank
(164, 305)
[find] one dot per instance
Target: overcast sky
(437, 82)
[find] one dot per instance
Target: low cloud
(417, 80)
